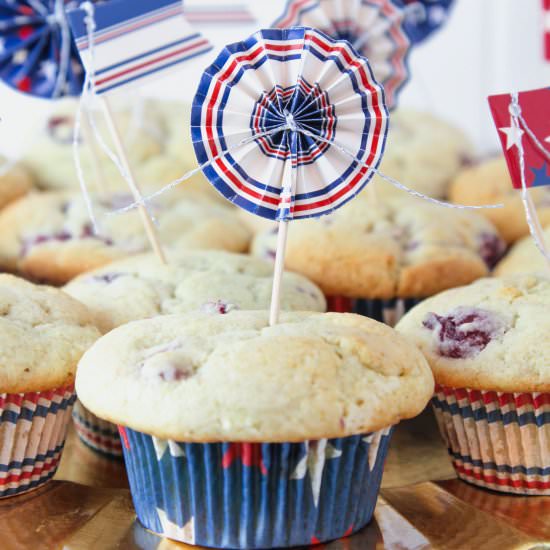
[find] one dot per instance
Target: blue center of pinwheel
(301, 110)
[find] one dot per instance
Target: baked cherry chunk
(465, 331)
(491, 248)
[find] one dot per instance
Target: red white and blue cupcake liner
(388, 312)
(497, 440)
(33, 427)
(100, 435)
(255, 495)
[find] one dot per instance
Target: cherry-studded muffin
(524, 257)
(380, 257)
(49, 236)
(488, 345)
(15, 181)
(489, 183)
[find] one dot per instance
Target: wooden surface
(93, 509)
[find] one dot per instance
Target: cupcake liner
(33, 427)
(497, 440)
(385, 311)
(261, 495)
(100, 435)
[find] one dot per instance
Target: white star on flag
(20, 57)
(173, 531)
(2, 45)
(513, 136)
(547, 139)
(162, 444)
(49, 69)
(317, 453)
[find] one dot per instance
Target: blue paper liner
(262, 495)
(386, 311)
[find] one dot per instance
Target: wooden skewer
(121, 152)
(282, 234)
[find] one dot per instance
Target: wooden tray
(97, 513)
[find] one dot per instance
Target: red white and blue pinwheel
(289, 98)
(375, 28)
(424, 17)
(37, 53)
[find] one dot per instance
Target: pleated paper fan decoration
(375, 28)
(37, 53)
(289, 96)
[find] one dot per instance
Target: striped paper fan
(327, 93)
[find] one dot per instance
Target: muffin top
(208, 377)
(424, 152)
(489, 183)
(524, 257)
(383, 249)
(209, 281)
(43, 334)
(492, 335)
(15, 181)
(50, 156)
(49, 237)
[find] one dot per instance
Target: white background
(488, 46)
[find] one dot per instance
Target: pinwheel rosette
(289, 96)
(424, 17)
(375, 28)
(37, 53)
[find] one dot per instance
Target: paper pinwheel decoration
(289, 97)
(37, 53)
(424, 17)
(375, 28)
(289, 124)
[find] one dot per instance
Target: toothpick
(121, 152)
(281, 249)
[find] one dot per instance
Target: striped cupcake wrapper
(262, 495)
(100, 435)
(33, 427)
(385, 311)
(497, 440)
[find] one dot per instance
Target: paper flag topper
(375, 28)
(424, 17)
(286, 97)
(134, 40)
(37, 53)
(534, 126)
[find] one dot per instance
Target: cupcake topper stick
(122, 43)
(523, 124)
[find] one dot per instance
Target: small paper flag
(134, 40)
(535, 109)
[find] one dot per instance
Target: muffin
(379, 259)
(48, 237)
(43, 334)
(423, 152)
(524, 257)
(140, 288)
(15, 181)
(489, 183)
(241, 435)
(50, 157)
(488, 345)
